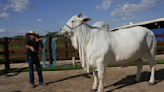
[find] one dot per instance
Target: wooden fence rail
(160, 45)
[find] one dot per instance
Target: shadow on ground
(129, 80)
(10, 75)
(86, 75)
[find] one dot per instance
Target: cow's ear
(85, 20)
(79, 15)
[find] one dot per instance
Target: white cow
(98, 49)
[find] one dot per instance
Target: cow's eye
(72, 21)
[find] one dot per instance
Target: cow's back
(129, 44)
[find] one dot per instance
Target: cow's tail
(153, 46)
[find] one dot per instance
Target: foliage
(55, 34)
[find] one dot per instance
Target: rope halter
(71, 28)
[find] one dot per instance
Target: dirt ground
(117, 79)
(59, 63)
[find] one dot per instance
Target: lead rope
(53, 53)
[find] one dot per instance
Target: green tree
(55, 34)
(52, 34)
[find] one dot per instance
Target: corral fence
(65, 51)
(160, 44)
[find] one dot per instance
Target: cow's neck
(83, 34)
(74, 41)
(80, 35)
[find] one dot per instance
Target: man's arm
(40, 42)
(29, 47)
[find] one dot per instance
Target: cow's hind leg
(101, 71)
(152, 64)
(95, 81)
(139, 64)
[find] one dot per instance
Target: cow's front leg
(95, 81)
(101, 70)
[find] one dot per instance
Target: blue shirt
(35, 45)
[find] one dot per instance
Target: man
(32, 48)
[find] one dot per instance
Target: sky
(17, 17)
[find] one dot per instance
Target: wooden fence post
(69, 42)
(20, 45)
(73, 58)
(66, 46)
(11, 46)
(163, 37)
(73, 61)
(49, 48)
(6, 53)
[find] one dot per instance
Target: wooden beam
(23, 50)
(1, 58)
(40, 55)
(6, 53)
(66, 46)
(162, 44)
(71, 54)
(17, 42)
(63, 40)
(1, 52)
(160, 48)
(158, 42)
(2, 62)
(66, 49)
(17, 51)
(23, 41)
(69, 58)
(159, 53)
(1, 42)
(49, 48)
(160, 35)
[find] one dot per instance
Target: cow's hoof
(93, 90)
(151, 83)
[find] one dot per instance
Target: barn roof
(146, 24)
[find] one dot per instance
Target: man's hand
(37, 40)
(32, 49)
